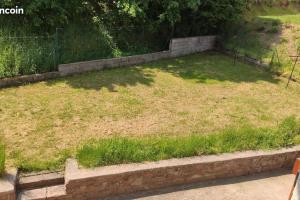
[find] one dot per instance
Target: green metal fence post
(56, 48)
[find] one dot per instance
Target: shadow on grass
(213, 67)
(204, 68)
(109, 79)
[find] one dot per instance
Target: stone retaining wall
(123, 179)
(117, 180)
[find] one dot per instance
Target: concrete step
(49, 193)
(40, 180)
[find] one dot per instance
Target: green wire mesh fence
(38, 54)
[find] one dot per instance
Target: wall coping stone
(180, 38)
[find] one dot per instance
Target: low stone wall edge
(19, 80)
(139, 177)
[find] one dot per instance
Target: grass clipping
(133, 150)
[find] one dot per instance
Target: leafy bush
(127, 150)
(2, 157)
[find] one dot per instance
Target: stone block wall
(19, 80)
(95, 65)
(185, 46)
(178, 47)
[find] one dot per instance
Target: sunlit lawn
(199, 94)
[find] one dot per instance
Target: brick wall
(178, 47)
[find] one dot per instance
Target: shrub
(127, 150)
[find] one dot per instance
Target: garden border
(109, 181)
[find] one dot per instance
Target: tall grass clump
(21, 54)
(2, 157)
(120, 150)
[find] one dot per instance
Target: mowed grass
(201, 94)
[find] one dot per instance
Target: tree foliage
(207, 15)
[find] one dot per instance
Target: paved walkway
(267, 186)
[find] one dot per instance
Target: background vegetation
(53, 31)
(269, 32)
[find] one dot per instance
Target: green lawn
(201, 94)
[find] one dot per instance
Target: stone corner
(8, 185)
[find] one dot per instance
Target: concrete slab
(265, 186)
